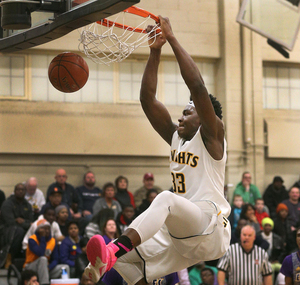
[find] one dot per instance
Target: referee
(245, 263)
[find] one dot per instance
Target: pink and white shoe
(101, 256)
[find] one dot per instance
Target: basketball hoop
(108, 41)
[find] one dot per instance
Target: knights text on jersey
(195, 174)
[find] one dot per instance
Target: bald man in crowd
(34, 196)
(69, 195)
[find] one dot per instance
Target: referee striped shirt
(245, 268)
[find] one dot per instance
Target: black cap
(278, 178)
(55, 190)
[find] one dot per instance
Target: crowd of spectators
(50, 232)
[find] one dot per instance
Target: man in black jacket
(275, 194)
(16, 218)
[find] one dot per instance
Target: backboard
(277, 20)
(47, 26)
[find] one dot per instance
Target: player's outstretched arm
(155, 111)
(211, 127)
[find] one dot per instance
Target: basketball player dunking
(182, 228)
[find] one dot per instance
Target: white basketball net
(105, 44)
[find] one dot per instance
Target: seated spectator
(62, 216)
(140, 194)
(34, 196)
(248, 213)
(109, 231)
(151, 194)
(195, 273)
(276, 250)
(96, 224)
(123, 196)
(70, 247)
(293, 205)
(259, 211)
(55, 200)
(107, 201)
(69, 195)
(49, 216)
(275, 194)
(248, 191)
(125, 218)
(236, 210)
(88, 193)
(208, 277)
(29, 277)
(283, 228)
(42, 254)
(16, 218)
(81, 261)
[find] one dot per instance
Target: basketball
(68, 72)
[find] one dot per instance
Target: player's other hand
(165, 27)
(156, 40)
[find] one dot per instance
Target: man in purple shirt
(290, 267)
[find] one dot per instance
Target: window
(99, 87)
(13, 77)
(281, 87)
(175, 91)
(117, 83)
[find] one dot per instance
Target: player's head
(216, 105)
(189, 122)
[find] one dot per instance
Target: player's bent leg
(174, 211)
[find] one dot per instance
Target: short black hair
(245, 208)
(216, 105)
(72, 222)
(47, 209)
(107, 185)
(27, 274)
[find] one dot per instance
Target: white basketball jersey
(196, 175)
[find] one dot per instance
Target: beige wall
(37, 137)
